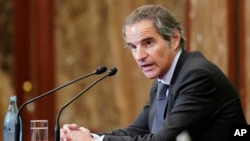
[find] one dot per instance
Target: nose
(140, 54)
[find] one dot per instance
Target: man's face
(153, 54)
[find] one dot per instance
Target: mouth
(147, 67)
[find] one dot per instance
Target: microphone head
(112, 71)
(100, 69)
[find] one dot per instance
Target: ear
(175, 39)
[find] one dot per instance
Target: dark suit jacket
(201, 100)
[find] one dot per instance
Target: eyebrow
(146, 39)
(143, 40)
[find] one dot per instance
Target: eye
(131, 47)
(148, 43)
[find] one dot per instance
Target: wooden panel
(42, 59)
(242, 53)
(208, 30)
(33, 59)
(232, 41)
(21, 53)
(6, 58)
(237, 46)
(247, 58)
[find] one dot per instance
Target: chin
(150, 76)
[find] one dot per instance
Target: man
(199, 98)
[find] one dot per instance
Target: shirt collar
(168, 76)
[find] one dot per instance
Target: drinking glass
(39, 130)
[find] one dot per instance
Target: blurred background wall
(45, 43)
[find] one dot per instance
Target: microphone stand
(57, 126)
(99, 70)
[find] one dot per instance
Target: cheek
(164, 59)
(159, 55)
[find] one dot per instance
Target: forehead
(139, 31)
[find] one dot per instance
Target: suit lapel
(184, 55)
(179, 65)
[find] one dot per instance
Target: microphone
(99, 70)
(111, 72)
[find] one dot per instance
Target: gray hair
(161, 18)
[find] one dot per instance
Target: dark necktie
(161, 102)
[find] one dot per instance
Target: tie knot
(161, 90)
